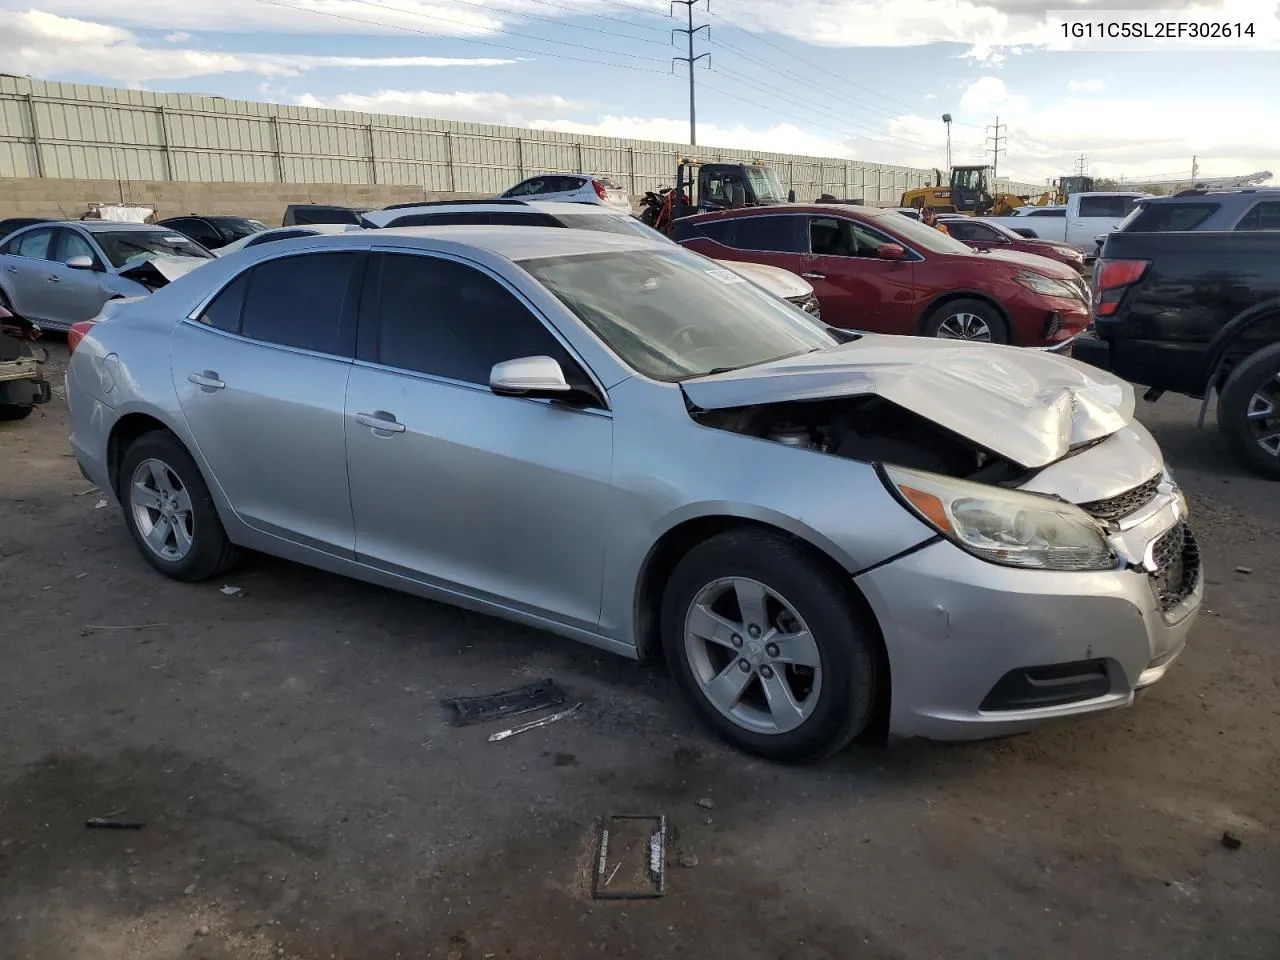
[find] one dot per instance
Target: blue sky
(868, 79)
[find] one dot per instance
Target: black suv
(213, 232)
(1246, 208)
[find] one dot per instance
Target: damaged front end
(156, 272)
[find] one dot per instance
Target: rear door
(506, 498)
(858, 290)
(774, 239)
(261, 377)
(27, 264)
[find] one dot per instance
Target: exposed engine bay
(869, 429)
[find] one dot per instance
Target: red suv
(877, 271)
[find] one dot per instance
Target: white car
(284, 233)
(572, 188)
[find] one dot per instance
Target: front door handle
(13, 269)
(380, 420)
(207, 379)
(54, 278)
(814, 276)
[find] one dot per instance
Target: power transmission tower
(689, 31)
(1082, 164)
(996, 149)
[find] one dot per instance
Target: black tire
(1252, 375)
(979, 308)
(11, 411)
(846, 642)
(211, 552)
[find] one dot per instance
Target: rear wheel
(768, 646)
(10, 411)
(1249, 411)
(972, 320)
(169, 511)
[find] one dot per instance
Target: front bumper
(955, 627)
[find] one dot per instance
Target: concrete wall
(78, 132)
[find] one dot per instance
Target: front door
(262, 382)
(858, 290)
(75, 295)
(505, 498)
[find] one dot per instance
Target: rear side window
(766, 234)
(1264, 216)
(34, 244)
(273, 237)
(223, 311)
(1049, 213)
(301, 302)
(449, 320)
(441, 219)
(1163, 217)
(511, 218)
(1114, 207)
(304, 215)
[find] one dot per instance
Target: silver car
(574, 188)
(58, 274)
(824, 534)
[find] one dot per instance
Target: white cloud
(178, 36)
(781, 138)
(1085, 86)
(41, 43)
(470, 106)
(988, 94)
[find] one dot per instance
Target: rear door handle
(380, 420)
(54, 278)
(814, 276)
(207, 379)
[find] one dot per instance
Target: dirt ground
(304, 795)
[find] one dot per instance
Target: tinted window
(628, 226)
(223, 311)
(199, 231)
(564, 184)
(971, 232)
(75, 245)
(34, 244)
(300, 302)
(514, 218)
(440, 219)
(765, 234)
(1264, 216)
(232, 229)
(1047, 213)
(720, 231)
(1162, 217)
(1114, 207)
(449, 320)
(282, 235)
(324, 215)
(528, 188)
(843, 238)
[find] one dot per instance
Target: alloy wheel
(161, 509)
(964, 326)
(1263, 415)
(752, 655)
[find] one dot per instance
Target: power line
(577, 11)
(486, 43)
(555, 21)
(996, 149)
(689, 33)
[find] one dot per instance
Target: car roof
(509, 242)
(785, 209)
(1216, 193)
(553, 207)
(101, 226)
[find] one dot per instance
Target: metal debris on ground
(631, 849)
(100, 504)
(508, 703)
(85, 493)
(124, 626)
(706, 803)
(113, 822)
(1231, 841)
(532, 724)
(1244, 569)
(231, 591)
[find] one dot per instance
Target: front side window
(126, 246)
(446, 319)
(75, 245)
(671, 314)
(922, 236)
(301, 301)
(836, 237)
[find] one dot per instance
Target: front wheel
(1249, 411)
(972, 320)
(768, 646)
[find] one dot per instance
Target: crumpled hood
(781, 283)
(168, 268)
(1050, 268)
(1026, 405)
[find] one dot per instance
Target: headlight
(1046, 286)
(1004, 526)
(1071, 252)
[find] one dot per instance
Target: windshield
(765, 185)
(673, 314)
(629, 226)
(919, 235)
(237, 228)
(127, 246)
(970, 179)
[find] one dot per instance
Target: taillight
(76, 333)
(1111, 279)
(599, 190)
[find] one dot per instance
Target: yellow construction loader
(967, 191)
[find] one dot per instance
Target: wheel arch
(129, 428)
(683, 536)
(950, 296)
(1225, 349)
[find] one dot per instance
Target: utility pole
(690, 59)
(1195, 170)
(946, 118)
(996, 149)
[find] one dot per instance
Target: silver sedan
(57, 274)
(824, 534)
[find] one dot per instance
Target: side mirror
(890, 251)
(80, 263)
(791, 196)
(528, 376)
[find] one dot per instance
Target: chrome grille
(1177, 562)
(1126, 503)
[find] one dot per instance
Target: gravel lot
(305, 797)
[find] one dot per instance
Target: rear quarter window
(1163, 217)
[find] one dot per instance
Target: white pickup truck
(1078, 222)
